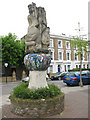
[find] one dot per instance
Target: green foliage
(80, 44)
(22, 91)
(78, 69)
(12, 50)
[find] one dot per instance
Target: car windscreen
(61, 74)
(71, 75)
(86, 74)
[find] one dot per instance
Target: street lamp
(6, 64)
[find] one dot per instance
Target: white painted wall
(71, 63)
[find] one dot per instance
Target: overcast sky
(62, 16)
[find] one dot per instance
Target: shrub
(78, 69)
(22, 91)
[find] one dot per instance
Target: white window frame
(75, 47)
(76, 65)
(61, 44)
(52, 55)
(68, 56)
(83, 56)
(65, 68)
(68, 67)
(74, 57)
(51, 45)
(51, 68)
(66, 45)
(68, 51)
(58, 54)
(84, 66)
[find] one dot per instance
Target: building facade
(63, 55)
(89, 33)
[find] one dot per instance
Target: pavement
(76, 104)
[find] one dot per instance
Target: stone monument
(37, 39)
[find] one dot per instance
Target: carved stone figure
(38, 56)
(33, 38)
(32, 9)
(42, 19)
(37, 38)
(45, 38)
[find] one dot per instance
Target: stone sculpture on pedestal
(34, 102)
(37, 39)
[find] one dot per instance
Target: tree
(81, 46)
(13, 51)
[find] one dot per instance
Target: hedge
(78, 69)
(22, 91)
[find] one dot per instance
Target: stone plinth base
(37, 79)
(37, 108)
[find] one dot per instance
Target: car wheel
(59, 78)
(68, 84)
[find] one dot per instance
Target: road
(7, 88)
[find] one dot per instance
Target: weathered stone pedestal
(37, 79)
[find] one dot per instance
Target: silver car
(25, 79)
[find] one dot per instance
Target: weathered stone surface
(34, 108)
(37, 79)
(34, 50)
(38, 33)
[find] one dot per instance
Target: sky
(62, 16)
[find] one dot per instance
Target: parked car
(59, 76)
(25, 79)
(73, 78)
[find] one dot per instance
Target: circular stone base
(37, 108)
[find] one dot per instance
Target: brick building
(64, 55)
(89, 33)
